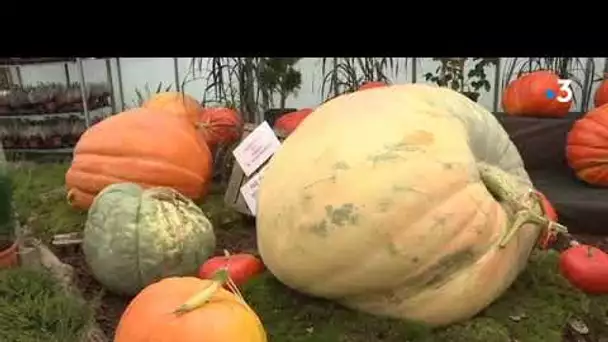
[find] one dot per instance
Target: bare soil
(111, 306)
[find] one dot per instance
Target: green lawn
(35, 308)
(535, 309)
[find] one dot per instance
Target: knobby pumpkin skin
(587, 147)
(376, 201)
(175, 103)
(134, 237)
(220, 125)
(527, 96)
(287, 123)
(149, 316)
(143, 147)
(601, 94)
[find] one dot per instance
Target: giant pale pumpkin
(224, 317)
(587, 147)
(134, 237)
(601, 94)
(140, 146)
(528, 96)
(287, 123)
(175, 103)
(382, 200)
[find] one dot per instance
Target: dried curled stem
(526, 207)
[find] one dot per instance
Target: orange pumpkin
(223, 318)
(587, 147)
(373, 84)
(530, 95)
(287, 123)
(220, 125)
(601, 94)
(175, 103)
(139, 146)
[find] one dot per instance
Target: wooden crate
(233, 197)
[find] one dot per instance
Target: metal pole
(66, 69)
(414, 69)
(121, 91)
(111, 84)
(176, 73)
(587, 84)
(496, 86)
(19, 78)
(83, 93)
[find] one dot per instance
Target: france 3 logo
(565, 91)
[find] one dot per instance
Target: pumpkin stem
(70, 196)
(525, 207)
(589, 251)
(201, 298)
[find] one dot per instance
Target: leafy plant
(343, 75)
(143, 97)
(231, 82)
(7, 226)
(565, 67)
(451, 73)
(278, 76)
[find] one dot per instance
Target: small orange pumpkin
(220, 125)
(223, 317)
(287, 123)
(528, 96)
(601, 94)
(140, 146)
(175, 103)
(587, 147)
(372, 84)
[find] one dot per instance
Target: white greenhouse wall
(137, 72)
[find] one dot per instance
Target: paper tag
(250, 189)
(256, 148)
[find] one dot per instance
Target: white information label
(250, 189)
(256, 148)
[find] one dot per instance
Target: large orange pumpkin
(224, 318)
(175, 103)
(528, 96)
(220, 125)
(601, 94)
(287, 123)
(372, 84)
(587, 147)
(139, 146)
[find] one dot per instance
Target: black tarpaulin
(541, 142)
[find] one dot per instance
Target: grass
(40, 199)
(540, 297)
(542, 300)
(35, 308)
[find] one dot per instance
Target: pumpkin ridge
(590, 157)
(427, 278)
(599, 128)
(111, 180)
(149, 162)
(110, 153)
